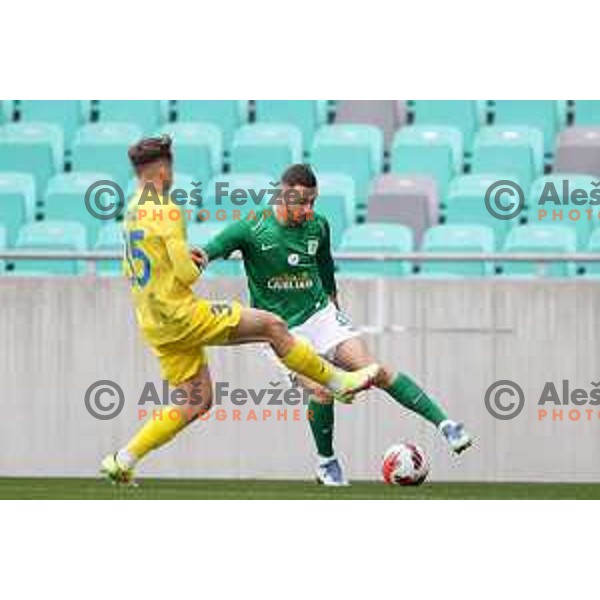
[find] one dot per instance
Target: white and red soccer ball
(405, 464)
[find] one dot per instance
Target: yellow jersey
(160, 269)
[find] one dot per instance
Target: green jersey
(290, 269)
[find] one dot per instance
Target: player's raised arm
(229, 240)
(327, 265)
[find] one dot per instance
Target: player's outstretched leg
(161, 428)
(352, 354)
(299, 356)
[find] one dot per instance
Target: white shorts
(325, 331)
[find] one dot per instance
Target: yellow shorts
(211, 324)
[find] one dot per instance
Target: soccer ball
(405, 464)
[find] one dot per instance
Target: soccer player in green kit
(290, 271)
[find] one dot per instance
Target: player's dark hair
(151, 150)
(300, 174)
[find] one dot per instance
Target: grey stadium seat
(407, 200)
(578, 151)
(388, 115)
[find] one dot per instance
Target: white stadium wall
(58, 336)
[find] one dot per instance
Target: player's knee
(275, 327)
(384, 378)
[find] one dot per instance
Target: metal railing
(499, 257)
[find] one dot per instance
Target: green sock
(321, 425)
(405, 391)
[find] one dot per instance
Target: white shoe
(330, 473)
(456, 435)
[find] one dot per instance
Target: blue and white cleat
(330, 473)
(457, 437)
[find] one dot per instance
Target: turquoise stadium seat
(465, 115)
(69, 115)
(103, 147)
(587, 112)
(518, 151)
(17, 202)
(146, 114)
(3, 246)
(546, 115)
(337, 203)
(376, 238)
(6, 110)
(547, 239)
(198, 149)
(199, 235)
(228, 115)
(51, 235)
(354, 150)
(307, 115)
(583, 225)
(261, 147)
(435, 151)
(64, 200)
(110, 238)
(238, 196)
(465, 204)
(466, 239)
(593, 269)
(35, 148)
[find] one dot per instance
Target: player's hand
(199, 257)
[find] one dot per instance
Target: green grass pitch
(177, 489)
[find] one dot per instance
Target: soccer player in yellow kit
(177, 325)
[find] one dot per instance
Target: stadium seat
(542, 198)
(355, 150)
(69, 115)
(6, 110)
(462, 114)
(231, 197)
(405, 200)
(64, 200)
(146, 114)
(35, 148)
(376, 238)
(198, 149)
(546, 115)
(3, 246)
(227, 115)
(434, 151)
(17, 203)
(547, 239)
(587, 112)
(578, 151)
(465, 239)
(110, 238)
(103, 147)
(465, 204)
(387, 115)
(269, 147)
(51, 235)
(307, 115)
(199, 234)
(518, 151)
(593, 269)
(337, 203)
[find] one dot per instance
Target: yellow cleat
(353, 382)
(115, 472)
